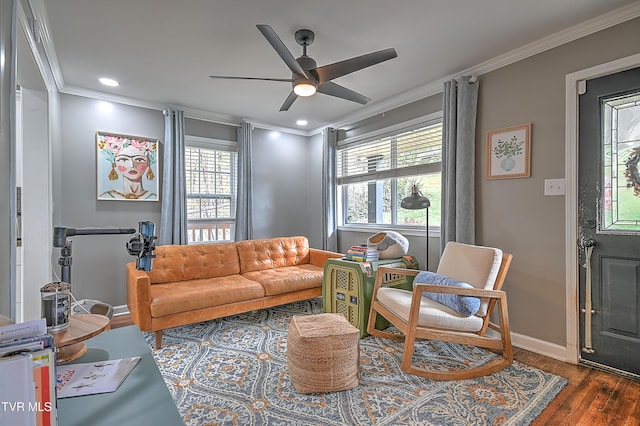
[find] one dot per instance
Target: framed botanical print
(126, 167)
(508, 152)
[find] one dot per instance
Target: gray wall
(281, 170)
(514, 214)
(407, 112)
(280, 179)
(98, 261)
(205, 129)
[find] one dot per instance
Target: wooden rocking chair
(418, 317)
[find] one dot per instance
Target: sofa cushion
(286, 279)
(183, 296)
(178, 263)
(258, 255)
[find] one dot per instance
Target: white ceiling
(162, 51)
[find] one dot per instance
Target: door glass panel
(621, 164)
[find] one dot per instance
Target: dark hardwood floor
(591, 397)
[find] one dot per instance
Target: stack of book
(363, 253)
(28, 371)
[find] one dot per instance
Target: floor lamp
(417, 201)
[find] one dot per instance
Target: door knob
(586, 242)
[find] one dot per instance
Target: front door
(609, 221)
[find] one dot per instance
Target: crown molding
(594, 25)
(107, 97)
(39, 13)
(565, 36)
(586, 28)
(29, 29)
(209, 116)
(290, 130)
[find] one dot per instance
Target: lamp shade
(415, 201)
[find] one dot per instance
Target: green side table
(347, 287)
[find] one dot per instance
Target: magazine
(93, 377)
(27, 361)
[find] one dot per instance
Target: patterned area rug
(233, 371)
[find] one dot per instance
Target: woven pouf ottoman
(323, 353)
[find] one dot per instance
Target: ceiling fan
(307, 77)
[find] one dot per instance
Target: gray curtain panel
(173, 215)
(460, 104)
(244, 213)
(329, 220)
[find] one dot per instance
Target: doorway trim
(575, 83)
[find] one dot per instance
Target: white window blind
(407, 153)
(211, 170)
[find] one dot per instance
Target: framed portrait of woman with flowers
(126, 167)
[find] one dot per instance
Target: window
(621, 153)
(376, 173)
(211, 172)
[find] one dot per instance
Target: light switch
(554, 186)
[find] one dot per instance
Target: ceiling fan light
(304, 89)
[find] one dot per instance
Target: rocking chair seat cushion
(432, 314)
(464, 305)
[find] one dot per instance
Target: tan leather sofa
(189, 284)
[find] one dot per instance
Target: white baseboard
(120, 310)
(541, 347)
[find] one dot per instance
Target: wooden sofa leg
(158, 335)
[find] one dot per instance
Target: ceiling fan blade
(281, 49)
(249, 78)
(338, 69)
(333, 89)
(289, 101)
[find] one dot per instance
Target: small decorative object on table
(390, 244)
(362, 253)
(56, 305)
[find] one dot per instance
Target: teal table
(142, 399)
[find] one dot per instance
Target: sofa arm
(319, 257)
(138, 296)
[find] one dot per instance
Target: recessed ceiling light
(301, 122)
(108, 82)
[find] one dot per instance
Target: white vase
(507, 164)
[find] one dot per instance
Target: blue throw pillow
(464, 305)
